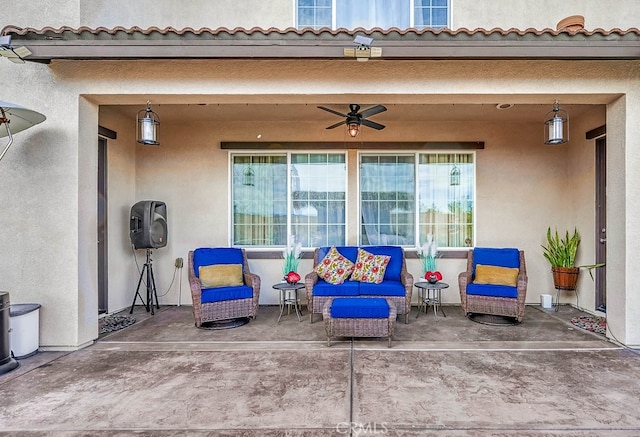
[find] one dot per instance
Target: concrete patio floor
(450, 377)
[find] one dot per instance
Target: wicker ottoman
(359, 317)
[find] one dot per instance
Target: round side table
(430, 294)
(289, 296)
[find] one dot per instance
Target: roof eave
(105, 44)
(93, 50)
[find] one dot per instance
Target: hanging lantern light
(147, 123)
(454, 176)
(248, 178)
(556, 126)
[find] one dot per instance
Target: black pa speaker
(148, 224)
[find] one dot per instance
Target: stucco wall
(40, 235)
(471, 14)
(121, 195)
(41, 13)
(580, 170)
(541, 14)
(514, 172)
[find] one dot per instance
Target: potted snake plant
(561, 253)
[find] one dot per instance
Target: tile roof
(84, 42)
(257, 32)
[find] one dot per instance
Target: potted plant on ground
(561, 253)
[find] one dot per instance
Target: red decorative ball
(292, 277)
(433, 277)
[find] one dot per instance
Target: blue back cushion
(206, 256)
(395, 263)
(506, 257)
(349, 252)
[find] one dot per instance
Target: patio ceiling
(181, 113)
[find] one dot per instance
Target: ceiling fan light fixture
(354, 119)
(353, 129)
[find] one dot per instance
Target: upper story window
(368, 14)
(431, 13)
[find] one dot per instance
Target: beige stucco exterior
(470, 14)
(49, 201)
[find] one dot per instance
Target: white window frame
(417, 243)
(412, 9)
(287, 154)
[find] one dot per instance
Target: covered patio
(163, 377)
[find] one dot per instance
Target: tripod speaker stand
(151, 287)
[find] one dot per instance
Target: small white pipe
(10, 141)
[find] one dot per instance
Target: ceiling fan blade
(332, 111)
(372, 124)
(373, 111)
(333, 126)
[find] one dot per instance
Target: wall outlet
(178, 263)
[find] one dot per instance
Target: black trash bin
(7, 363)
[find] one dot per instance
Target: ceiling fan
(354, 119)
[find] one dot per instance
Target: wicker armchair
(222, 302)
(501, 300)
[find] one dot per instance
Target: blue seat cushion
(492, 290)
(347, 288)
(207, 256)
(219, 294)
(359, 308)
(394, 268)
(385, 288)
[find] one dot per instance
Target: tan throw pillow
(334, 267)
(221, 275)
(496, 275)
(369, 267)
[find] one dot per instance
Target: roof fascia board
(50, 50)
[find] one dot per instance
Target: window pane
(431, 13)
(305, 17)
(372, 13)
(314, 13)
(259, 189)
(387, 199)
(445, 198)
(439, 18)
(318, 191)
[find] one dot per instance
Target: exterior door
(102, 227)
(601, 223)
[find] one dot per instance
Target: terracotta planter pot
(572, 23)
(565, 278)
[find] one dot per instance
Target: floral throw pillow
(334, 267)
(369, 267)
